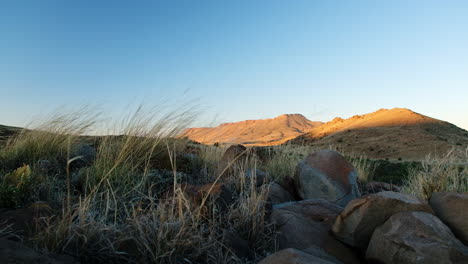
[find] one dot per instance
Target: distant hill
(397, 133)
(394, 133)
(8, 131)
(387, 133)
(263, 132)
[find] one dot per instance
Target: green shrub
(15, 187)
(394, 172)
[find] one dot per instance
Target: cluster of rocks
(321, 216)
(333, 223)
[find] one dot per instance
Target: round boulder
(24, 221)
(233, 155)
(415, 237)
(305, 225)
(278, 195)
(326, 174)
(361, 216)
(451, 208)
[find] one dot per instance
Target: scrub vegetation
(128, 197)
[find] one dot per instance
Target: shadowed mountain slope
(394, 133)
(8, 131)
(261, 132)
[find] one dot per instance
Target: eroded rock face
(452, 209)
(295, 256)
(327, 175)
(358, 220)
(415, 237)
(306, 224)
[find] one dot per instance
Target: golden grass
(446, 173)
(364, 167)
(118, 212)
(159, 231)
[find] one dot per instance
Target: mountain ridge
(268, 131)
(397, 133)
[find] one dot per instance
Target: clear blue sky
(240, 59)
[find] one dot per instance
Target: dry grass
(364, 167)
(447, 173)
(284, 159)
(160, 231)
(114, 209)
(49, 140)
(127, 205)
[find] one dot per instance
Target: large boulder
(415, 237)
(326, 174)
(85, 155)
(232, 153)
(278, 195)
(237, 245)
(219, 193)
(357, 222)
(256, 176)
(24, 221)
(295, 256)
(306, 224)
(451, 208)
(375, 187)
(233, 156)
(288, 183)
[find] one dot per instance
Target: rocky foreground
(321, 216)
(334, 224)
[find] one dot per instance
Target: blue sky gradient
(239, 59)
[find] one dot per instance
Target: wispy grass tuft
(284, 159)
(446, 173)
(126, 204)
(364, 167)
(49, 140)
